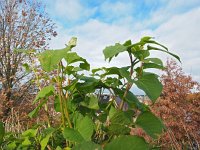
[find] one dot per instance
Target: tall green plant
(87, 122)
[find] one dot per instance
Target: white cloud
(180, 33)
(93, 37)
(69, 10)
(117, 9)
(166, 11)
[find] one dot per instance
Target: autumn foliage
(24, 25)
(179, 108)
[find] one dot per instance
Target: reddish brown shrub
(16, 119)
(179, 108)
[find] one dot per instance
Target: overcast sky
(98, 23)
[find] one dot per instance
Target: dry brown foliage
(17, 119)
(179, 108)
(23, 25)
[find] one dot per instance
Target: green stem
(48, 120)
(61, 106)
(67, 112)
(38, 84)
(65, 109)
(60, 95)
(129, 85)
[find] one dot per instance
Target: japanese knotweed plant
(88, 122)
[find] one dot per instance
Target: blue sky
(98, 23)
(76, 12)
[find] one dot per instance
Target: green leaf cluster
(87, 119)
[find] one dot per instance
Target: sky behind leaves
(97, 23)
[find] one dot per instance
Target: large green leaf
(30, 133)
(131, 99)
(112, 111)
(150, 124)
(118, 129)
(148, 40)
(141, 54)
(26, 142)
(120, 122)
(89, 84)
(11, 145)
(91, 102)
(111, 71)
(49, 59)
(150, 84)
(2, 132)
(143, 42)
(87, 146)
(36, 110)
(121, 72)
(112, 82)
(127, 143)
(45, 140)
(74, 57)
(58, 148)
(76, 118)
(46, 91)
(152, 65)
(154, 60)
(86, 128)
(158, 49)
(72, 135)
(122, 117)
(125, 73)
(111, 51)
(127, 43)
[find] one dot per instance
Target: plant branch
(129, 85)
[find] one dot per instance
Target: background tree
(177, 85)
(23, 25)
(179, 108)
